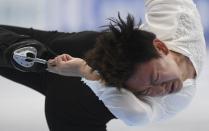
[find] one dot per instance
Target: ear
(160, 46)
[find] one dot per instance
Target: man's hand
(70, 66)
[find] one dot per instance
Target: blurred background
(22, 109)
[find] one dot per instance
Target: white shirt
(177, 23)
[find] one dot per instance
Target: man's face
(156, 77)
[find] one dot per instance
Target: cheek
(135, 85)
(157, 91)
(132, 86)
(175, 71)
(164, 89)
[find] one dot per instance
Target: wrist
(87, 73)
(82, 70)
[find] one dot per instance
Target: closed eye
(144, 92)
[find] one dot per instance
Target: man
(160, 71)
(70, 105)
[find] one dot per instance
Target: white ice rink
(22, 109)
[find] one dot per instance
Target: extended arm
(178, 24)
(70, 66)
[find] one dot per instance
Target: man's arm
(70, 66)
(163, 17)
(178, 24)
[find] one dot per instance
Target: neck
(185, 65)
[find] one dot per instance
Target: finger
(51, 69)
(63, 58)
(59, 60)
(67, 57)
(51, 62)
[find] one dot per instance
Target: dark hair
(119, 49)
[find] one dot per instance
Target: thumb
(52, 69)
(51, 64)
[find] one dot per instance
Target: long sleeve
(135, 112)
(178, 24)
(123, 104)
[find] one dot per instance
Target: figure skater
(139, 75)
